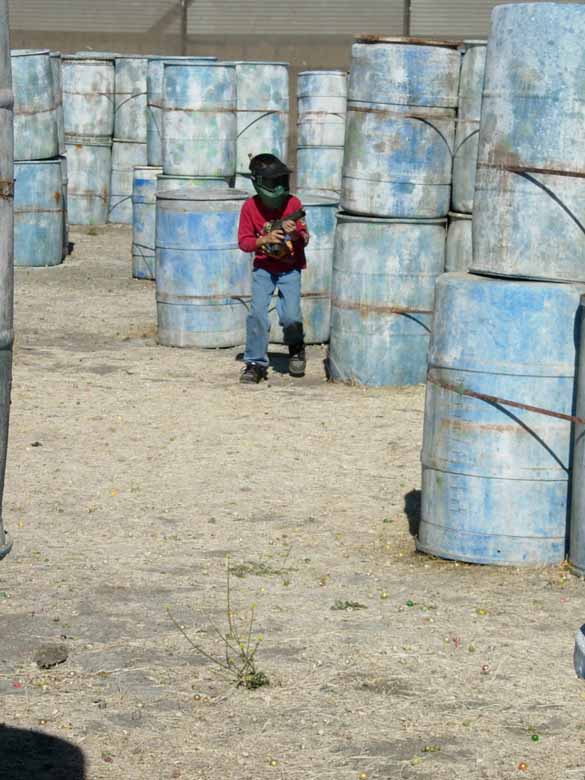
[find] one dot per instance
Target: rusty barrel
(495, 485)
(6, 263)
(400, 134)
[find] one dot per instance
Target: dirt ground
(134, 470)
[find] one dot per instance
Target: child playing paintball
(272, 226)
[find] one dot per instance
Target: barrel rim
(56, 54)
(407, 41)
(204, 194)
(474, 42)
(29, 52)
(190, 178)
(50, 161)
(147, 168)
(323, 72)
(131, 57)
(88, 140)
(200, 64)
(309, 197)
(128, 141)
(181, 57)
(258, 62)
(460, 215)
(346, 217)
(82, 58)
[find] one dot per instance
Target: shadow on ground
(32, 755)
(412, 507)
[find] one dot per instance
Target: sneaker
(253, 373)
(297, 362)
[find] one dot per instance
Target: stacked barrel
(39, 195)
(88, 107)
(200, 272)
(6, 248)
(321, 113)
(395, 197)
(129, 143)
(459, 240)
(497, 450)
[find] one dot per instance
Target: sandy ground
(134, 470)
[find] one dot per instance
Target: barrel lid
(323, 73)
(127, 141)
(204, 194)
(89, 57)
(459, 215)
(96, 55)
(131, 56)
(86, 140)
(156, 169)
(257, 62)
(56, 54)
(200, 63)
(179, 59)
(309, 198)
(471, 43)
(344, 217)
(54, 161)
(407, 41)
(28, 52)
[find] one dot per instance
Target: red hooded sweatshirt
(255, 219)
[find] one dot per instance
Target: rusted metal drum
(199, 119)
(38, 212)
(200, 268)
(6, 262)
(316, 278)
(154, 98)
(89, 169)
(321, 112)
(144, 222)
(35, 105)
(384, 274)
(400, 135)
(130, 90)
(88, 95)
(467, 135)
(495, 486)
(57, 69)
(262, 102)
(529, 203)
(458, 251)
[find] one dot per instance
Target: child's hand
(274, 237)
(289, 226)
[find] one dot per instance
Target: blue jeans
(288, 306)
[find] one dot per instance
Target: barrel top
(459, 215)
(56, 54)
(28, 52)
(257, 62)
(407, 41)
(180, 58)
(54, 161)
(343, 217)
(131, 56)
(89, 57)
(204, 194)
(471, 43)
(87, 140)
(309, 198)
(198, 64)
(323, 73)
(96, 55)
(150, 168)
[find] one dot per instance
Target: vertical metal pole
(184, 25)
(406, 18)
(6, 243)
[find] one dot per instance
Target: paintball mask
(271, 180)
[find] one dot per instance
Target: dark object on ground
(32, 755)
(49, 655)
(253, 373)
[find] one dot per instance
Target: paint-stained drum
(88, 96)
(200, 268)
(126, 155)
(130, 91)
(384, 274)
(529, 203)
(38, 213)
(496, 478)
(458, 251)
(144, 222)
(400, 130)
(89, 163)
(35, 106)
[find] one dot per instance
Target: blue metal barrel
(88, 96)
(577, 534)
(65, 196)
(144, 222)
(384, 274)
(199, 119)
(126, 155)
(6, 249)
(35, 106)
(262, 103)
(154, 98)
(400, 128)
(321, 112)
(57, 71)
(496, 478)
(468, 116)
(458, 251)
(38, 213)
(173, 183)
(244, 183)
(316, 278)
(529, 205)
(199, 267)
(130, 91)
(89, 164)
